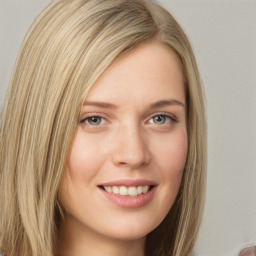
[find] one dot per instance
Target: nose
(130, 147)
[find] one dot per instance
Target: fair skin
(128, 155)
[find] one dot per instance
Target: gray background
(223, 35)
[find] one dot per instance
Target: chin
(130, 229)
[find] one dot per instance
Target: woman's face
(127, 159)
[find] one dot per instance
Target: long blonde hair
(66, 49)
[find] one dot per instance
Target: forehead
(150, 71)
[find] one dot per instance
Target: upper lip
(129, 183)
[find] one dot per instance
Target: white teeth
(145, 189)
(123, 191)
(132, 191)
(127, 191)
(139, 190)
(108, 189)
(115, 190)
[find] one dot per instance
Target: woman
(103, 135)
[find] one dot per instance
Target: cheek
(84, 157)
(172, 154)
(82, 167)
(170, 157)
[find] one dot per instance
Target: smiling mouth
(129, 191)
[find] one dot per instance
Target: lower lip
(131, 201)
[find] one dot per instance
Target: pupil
(94, 120)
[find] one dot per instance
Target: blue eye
(162, 119)
(94, 120)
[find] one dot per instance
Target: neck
(76, 240)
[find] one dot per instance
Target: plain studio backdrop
(223, 35)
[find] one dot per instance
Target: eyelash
(166, 116)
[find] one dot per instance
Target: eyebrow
(161, 103)
(100, 104)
